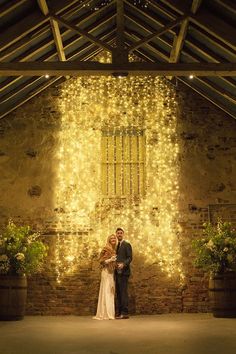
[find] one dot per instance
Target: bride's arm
(106, 258)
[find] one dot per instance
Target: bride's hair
(109, 242)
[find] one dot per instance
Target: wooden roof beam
(158, 33)
(203, 94)
(227, 4)
(159, 56)
(51, 56)
(29, 23)
(120, 52)
(207, 21)
(141, 53)
(55, 30)
(43, 6)
(179, 40)
(82, 32)
(90, 52)
(195, 5)
(135, 68)
(21, 43)
(120, 24)
(219, 90)
(10, 6)
(58, 40)
(137, 36)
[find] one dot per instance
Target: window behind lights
(123, 163)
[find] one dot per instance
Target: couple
(115, 260)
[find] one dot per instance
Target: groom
(122, 273)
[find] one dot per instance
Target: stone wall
(28, 169)
(207, 185)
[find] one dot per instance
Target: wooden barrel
(13, 292)
(222, 294)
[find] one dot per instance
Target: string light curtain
(89, 107)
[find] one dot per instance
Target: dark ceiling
(207, 34)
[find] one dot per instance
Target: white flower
(210, 245)
(20, 256)
(3, 258)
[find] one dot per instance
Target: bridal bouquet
(20, 250)
(216, 250)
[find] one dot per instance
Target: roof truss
(135, 68)
(161, 34)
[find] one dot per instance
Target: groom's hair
(119, 229)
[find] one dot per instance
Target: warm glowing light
(88, 105)
(191, 77)
(101, 4)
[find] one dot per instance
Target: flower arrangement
(216, 250)
(20, 250)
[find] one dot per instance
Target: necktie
(118, 246)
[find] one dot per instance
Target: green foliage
(21, 252)
(216, 250)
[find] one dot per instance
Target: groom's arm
(128, 259)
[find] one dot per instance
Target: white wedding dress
(106, 298)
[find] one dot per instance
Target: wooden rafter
(55, 30)
(23, 42)
(10, 6)
(87, 51)
(160, 55)
(227, 79)
(203, 94)
(51, 81)
(212, 26)
(218, 90)
(179, 42)
(180, 38)
(216, 27)
(158, 33)
(230, 5)
(191, 83)
(207, 21)
(81, 32)
(195, 5)
(106, 36)
(43, 6)
(157, 22)
(166, 41)
(28, 24)
(120, 24)
(120, 52)
(58, 40)
(134, 68)
(24, 27)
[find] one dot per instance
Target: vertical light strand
(122, 164)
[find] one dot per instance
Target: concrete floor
(161, 334)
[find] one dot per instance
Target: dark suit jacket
(124, 255)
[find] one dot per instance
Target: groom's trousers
(122, 298)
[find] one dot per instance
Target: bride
(106, 298)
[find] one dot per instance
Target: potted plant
(216, 254)
(21, 254)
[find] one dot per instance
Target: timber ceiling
(157, 31)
